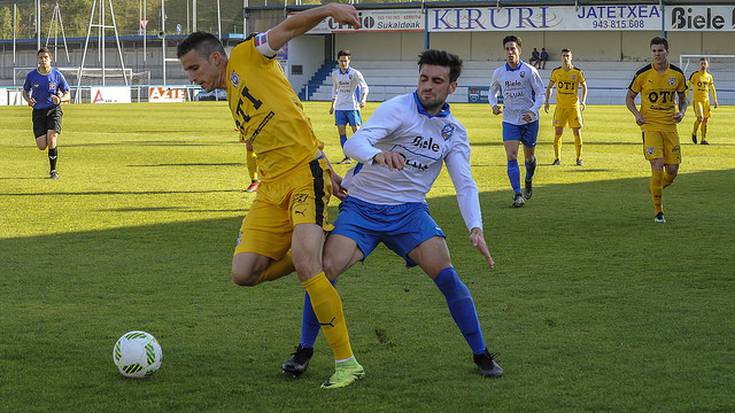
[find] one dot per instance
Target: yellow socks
(327, 306)
(277, 269)
(557, 146)
(657, 189)
(578, 146)
(250, 159)
(696, 126)
(704, 131)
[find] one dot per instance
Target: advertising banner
(110, 94)
(701, 18)
(166, 94)
(3, 97)
(584, 18)
(376, 21)
(478, 94)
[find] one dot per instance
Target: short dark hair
(565, 50)
(442, 58)
(204, 43)
(43, 50)
(660, 40)
(344, 52)
(703, 59)
(513, 38)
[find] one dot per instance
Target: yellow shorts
(301, 197)
(571, 116)
(702, 109)
(665, 145)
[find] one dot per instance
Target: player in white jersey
(400, 151)
(523, 95)
(346, 81)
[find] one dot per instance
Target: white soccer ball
(137, 354)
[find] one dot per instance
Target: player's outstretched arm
(306, 20)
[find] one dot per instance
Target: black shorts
(45, 120)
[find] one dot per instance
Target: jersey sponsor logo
(661, 97)
(448, 131)
(423, 143)
(234, 78)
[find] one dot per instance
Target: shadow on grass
(96, 193)
(152, 143)
(585, 283)
(182, 164)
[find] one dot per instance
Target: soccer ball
(137, 354)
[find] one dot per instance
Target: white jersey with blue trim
(426, 141)
(522, 90)
(344, 85)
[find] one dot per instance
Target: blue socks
(514, 174)
(342, 140)
(462, 307)
(309, 323)
(530, 169)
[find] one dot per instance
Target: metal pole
(117, 40)
(15, 34)
(219, 21)
(102, 41)
(163, 39)
(245, 18)
(663, 19)
(38, 24)
(63, 36)
(78, 96)
(427, 38)
(188, 16)
(145, 30)
(194, 16)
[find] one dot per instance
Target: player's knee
(306, 266)
(244, 278)
(331, 268)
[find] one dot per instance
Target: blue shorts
(400, 227)
(527, 133)
(343, 117)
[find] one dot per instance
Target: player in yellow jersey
(568, 80)
(659, 84)
(702, 83)
(284, 229)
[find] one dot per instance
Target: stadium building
(609, 40)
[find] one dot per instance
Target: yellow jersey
(701, 84)
(268, 112)
(658, 96)
(567, 86)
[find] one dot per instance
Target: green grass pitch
(592, 306)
